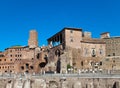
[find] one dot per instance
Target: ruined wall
(61, 83)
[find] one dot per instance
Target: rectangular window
(10, 55)
(71, 40)
(81, 63)
(100, 63)
(113, 54)
(71, 31)
(10, 50)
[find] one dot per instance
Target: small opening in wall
(27, 65)
(81, 63)
(22, 67)
(71, 31)
(31, 67)
(113, 54)
(100, 63)
(27, 71)
(9, 81)
(38, 56)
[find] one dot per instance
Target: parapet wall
(59, 82)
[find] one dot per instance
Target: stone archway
(116, 85)
(58, 67)
(53, 84)
(57, 52)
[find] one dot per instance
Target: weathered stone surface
(56, 82)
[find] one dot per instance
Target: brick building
(112, 60)
(71, 49)
(20, 59)
(112, 44)
(72, 46)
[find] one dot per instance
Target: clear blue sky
(17, 17)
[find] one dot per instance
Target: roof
(65, 28)
(104, 33)
(113, 37)
(95, 41)
(78, 29)
(16, 47)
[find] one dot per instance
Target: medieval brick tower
(33, 39)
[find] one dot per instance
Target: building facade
(70, 50)
(78, 49)
(33, 39)
(20, 59)
(112, 60)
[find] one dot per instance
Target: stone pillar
(77, 85)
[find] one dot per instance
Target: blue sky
(18, 17)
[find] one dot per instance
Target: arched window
(57, 52)
(27, 65)
(22, 67)
(101, 51)
(81, 63)
(31, 67)
(93, 53)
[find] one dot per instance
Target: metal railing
(81, 75)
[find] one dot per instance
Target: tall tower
(33, 39)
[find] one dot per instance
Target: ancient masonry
(69, 51)
(56, 82)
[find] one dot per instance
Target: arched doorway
(57, 52)
(58, 67)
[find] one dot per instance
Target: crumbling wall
(56, 82)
